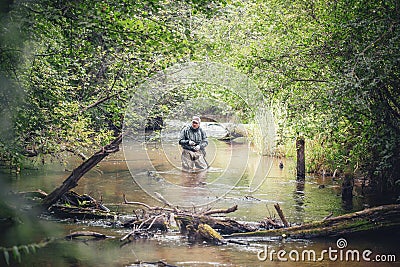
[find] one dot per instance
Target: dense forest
(329, 70)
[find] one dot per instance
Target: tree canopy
(330, 71)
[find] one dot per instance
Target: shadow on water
(237, 176)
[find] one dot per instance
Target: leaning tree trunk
(73, 178)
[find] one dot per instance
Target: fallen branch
(125, 237)
(268, 223)
(159, 263)
(87, 234)
(138, 230)
(162, 199)
(281, 215)
(145, 205)
(40, 194)
(385, 217)
(328, 216)
(137, 203)
(63, 211)
(223, 226)
(229, 210)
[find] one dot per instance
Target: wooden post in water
(301, 161)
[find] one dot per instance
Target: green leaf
(7, 257)
(33, 248)
(25, 249)
(16, 254)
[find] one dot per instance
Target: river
(238, 176)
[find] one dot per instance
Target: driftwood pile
(211, 225)
(197, 226)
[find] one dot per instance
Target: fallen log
(385, 217)
(95, 235)
(73, 205)
(224, 226)
(197, 226)
(62, 211)
(204, 232)
(82, 201)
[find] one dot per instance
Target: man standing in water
(193, 140)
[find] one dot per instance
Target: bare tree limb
(229, 210)
(378, 39)
(281, 215)
(146, 206)
(87, 234)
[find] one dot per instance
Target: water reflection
(347, 205)
(193, 179)
(298, 197)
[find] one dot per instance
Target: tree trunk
(73, 178)
(378, 218)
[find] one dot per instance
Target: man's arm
(204, 140)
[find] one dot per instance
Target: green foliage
(80, 62)
(18, 250)
(329, 70)
(363, 54)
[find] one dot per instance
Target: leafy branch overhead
(329, 72)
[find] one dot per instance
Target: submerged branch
(87, 234)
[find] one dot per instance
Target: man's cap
(196, 119)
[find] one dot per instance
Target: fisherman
(193, 140)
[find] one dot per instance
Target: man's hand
(192, 143)
(197, 148)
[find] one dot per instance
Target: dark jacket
(196, 135)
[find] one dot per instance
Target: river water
(237, 176)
